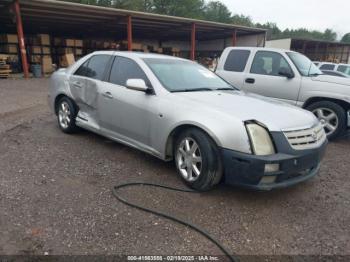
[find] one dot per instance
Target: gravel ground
(56, 196)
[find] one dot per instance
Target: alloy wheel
(328, 118)
(189, 159)
(64, 115)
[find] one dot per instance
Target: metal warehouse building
(90, 28)
(316, 50)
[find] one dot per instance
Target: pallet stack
(5, 69)
(39, 47)
(67, 50)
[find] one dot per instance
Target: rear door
(263, 77)
(85, 85)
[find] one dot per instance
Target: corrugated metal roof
(60, 16)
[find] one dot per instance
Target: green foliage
(212, 11)
(346, 38)
(218, 12)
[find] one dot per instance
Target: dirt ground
(55, 192)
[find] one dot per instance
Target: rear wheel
(197, 160)
(66, 114)
(332, 117)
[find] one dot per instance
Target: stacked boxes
(9, 44)
(39, 51)
(66, 49)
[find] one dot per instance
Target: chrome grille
(306, 138)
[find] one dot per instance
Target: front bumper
(249, 170)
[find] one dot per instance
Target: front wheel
(198, 160)
(332, 117)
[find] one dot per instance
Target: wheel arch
(59, 97)
(345, 105)
(176, 131)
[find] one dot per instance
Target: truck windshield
(304, 64)
(185, 76)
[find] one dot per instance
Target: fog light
(269, 168)
(268, 179)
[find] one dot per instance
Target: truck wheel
(198, 160)
(332, 117)
(66, 114)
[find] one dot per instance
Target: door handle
(107, 95)
(77, 84)
(250, 80)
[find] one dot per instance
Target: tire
(206, 157)
(66, 114)
(324, 110)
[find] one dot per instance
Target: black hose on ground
(167, 216)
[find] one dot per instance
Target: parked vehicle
(343, 68)
(290, 77)
(334, 73)
(176, 109)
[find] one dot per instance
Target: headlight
(260, 140)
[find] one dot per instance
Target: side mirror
(286, 72)
(137, 84)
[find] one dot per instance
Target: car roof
(133, 54)
(260, 49)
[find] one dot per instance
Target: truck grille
(306, 138)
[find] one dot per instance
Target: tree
(329, 34)
(184, 8)
(346, 38)
(213, 10)
(273, 31)
(217, 11)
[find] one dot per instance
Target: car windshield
(304, 64)
(185, 76)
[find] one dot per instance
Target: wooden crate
(68, 42)
(5, 69)
(9, 48)
(78, 43)
(43, 39)
(46, 64)
(66, 60)
(9, 38)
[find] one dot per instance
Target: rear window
(236, 60)
(327, 67)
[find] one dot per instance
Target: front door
(264, 78)
(125, 113)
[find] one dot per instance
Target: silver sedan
(175, 109)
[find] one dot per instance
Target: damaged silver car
(177, 110)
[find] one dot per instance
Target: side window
(236, 60)
(124, 69)
(344, 69)
(268, 63)
(327, 67)
(97, 66)
(83, 69)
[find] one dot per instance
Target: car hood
(274, 114)
(332, 79)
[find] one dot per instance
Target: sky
(310, 14)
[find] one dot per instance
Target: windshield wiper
(315, 74)
(192, 90)
(225, 88)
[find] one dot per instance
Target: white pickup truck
(290, 77)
